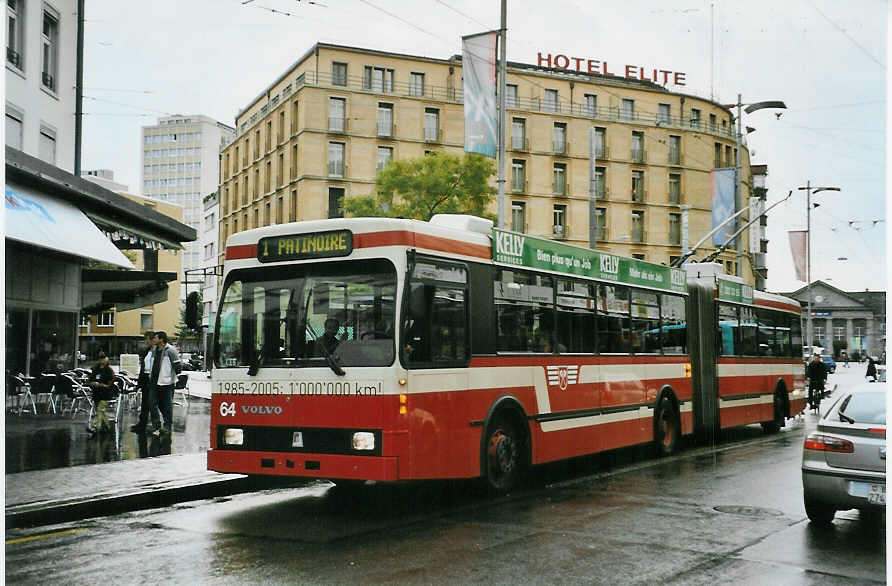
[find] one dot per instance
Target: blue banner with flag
(479, 88)
(722, 203)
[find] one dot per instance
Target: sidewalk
(58, 495)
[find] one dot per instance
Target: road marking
(43, 536)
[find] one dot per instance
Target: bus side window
(674, 328)
(613, 320)
(748, 333)
(728, 334)
(435, 326)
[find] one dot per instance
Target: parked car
(829, 363)
(844, 460)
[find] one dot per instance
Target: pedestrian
(817, 374)
(871, 369)
(145, 371)
(102, 379)
(166, 365)
(845, 357)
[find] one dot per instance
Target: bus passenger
(328, 342)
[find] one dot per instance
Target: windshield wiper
(329, 359)
(845, 417)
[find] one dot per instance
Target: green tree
(438, 183)
(185, 334)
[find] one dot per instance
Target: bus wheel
(775, 424)
(667, 428)
(504, 454)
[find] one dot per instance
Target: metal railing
(601, 233)
(559, 188)
(638, 155)
(561, 147)
(14, 57)
(337, 124)
(638, 235)
(602, 153)
(519, 144)
(48, 81)
(639, 195)
(675, 158)
(433, 134)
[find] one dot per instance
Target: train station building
(320, 132)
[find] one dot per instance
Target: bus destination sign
(733, 291)
(305, 246)
(537, 253)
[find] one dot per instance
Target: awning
(44, 221)
(123, 290)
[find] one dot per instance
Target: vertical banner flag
(479, 88)
(757, 230)
(799, 249)
(722, 203)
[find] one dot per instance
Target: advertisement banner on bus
(537, 253)
(734, 292)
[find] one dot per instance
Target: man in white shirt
(166, 365)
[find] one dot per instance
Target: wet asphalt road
(730, 513)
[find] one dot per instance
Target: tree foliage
(438, 183)
(185, 333)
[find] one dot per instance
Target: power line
(848, 36)
(459, 12)
(404, 21)
(127, 105)
(832, 106)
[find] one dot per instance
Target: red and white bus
(390, 349)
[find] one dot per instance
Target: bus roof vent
(698, 270)
(463, 222)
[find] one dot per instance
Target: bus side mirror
(191, 314)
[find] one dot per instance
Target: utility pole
(503, 71)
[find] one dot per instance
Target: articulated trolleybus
(390, 349)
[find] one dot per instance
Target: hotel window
(510, 95)
(601, 182)
(664, 115)
(518, 216)
(338, 73)
(280, 205)
(675, 229)
(559, 182)
(293, 204)
(600, 143)
(385, 120)
(600, 223)
(559, 138)
(551, 100)
(717, 155)
(14, 15)
(377, 79)
(294, 162)
(280, 170)
(627, 109)
(712, 125)
(14, 127)
(335, 202)
(281, 134)
(47, 145)
(674, 188)
(637, 146)
(589, 105)
(256, 218)
(728, 161)
(518, 134)
(257, 144)
(638, 256)
(559, 217)
(385, 155)
(267, 214)
(518, 175)
(337, 111)
(336, 159)
(432, 124)
(106, 319)
(416, 84)
(269, 135)
(638, 186)
(49, 76)
(245, 190)
(256, 182)
(674, 150)
(695, 118)
(294, 116)
(637, 226)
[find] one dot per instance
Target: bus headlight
(363, 440)
(233, 436)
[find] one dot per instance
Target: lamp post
(750, 108)
(808, 191)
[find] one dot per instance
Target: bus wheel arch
(667, 422)
(505, 450)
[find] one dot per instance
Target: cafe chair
(44, 387)
(182, 387)
(18, 394)
(81, 397)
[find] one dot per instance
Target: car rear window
(865, 407)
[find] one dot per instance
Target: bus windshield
(308, 315)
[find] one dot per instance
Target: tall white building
(209, 237)
(181, 164)
(41, 58)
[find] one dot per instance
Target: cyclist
(817, 375)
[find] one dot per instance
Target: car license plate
(876, 494)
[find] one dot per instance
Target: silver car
(844, 460)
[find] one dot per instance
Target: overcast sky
(826, 59)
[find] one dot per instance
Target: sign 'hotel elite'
(537, 253)
(598, 67)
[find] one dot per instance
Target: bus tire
(505, 453)
(777, 423)
(667, 428)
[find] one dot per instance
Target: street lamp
(750, 108)
(808, 191)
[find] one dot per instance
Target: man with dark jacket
(102, 378)
(817, 374)
(166, 365)
(145, 369)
